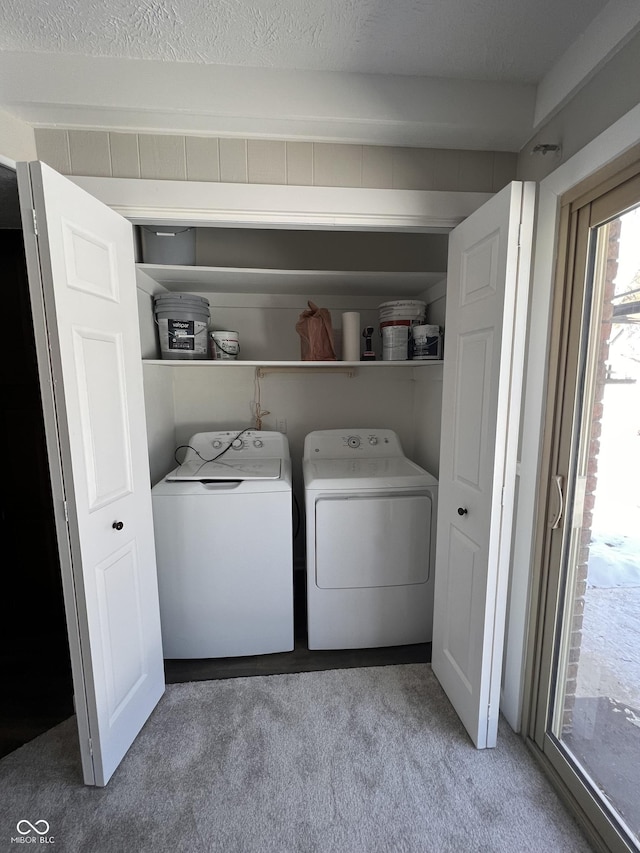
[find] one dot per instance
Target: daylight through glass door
(594, 715)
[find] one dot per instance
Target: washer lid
(365, 473)
(228, 469)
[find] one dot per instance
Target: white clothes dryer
(371, 523)
(223, 532)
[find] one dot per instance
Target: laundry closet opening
(257, 282)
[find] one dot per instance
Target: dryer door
(380, 540)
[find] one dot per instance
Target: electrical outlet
(281, 425)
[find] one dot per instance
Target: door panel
(480, 270)
(459, 636)
(101, 390)
(473, 387)
(82, 284)
(118, 592)
(90, 261)
(486, 312)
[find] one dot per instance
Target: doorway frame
(608, 154)
(195, 203)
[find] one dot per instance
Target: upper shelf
(314, 365)
(327, 282)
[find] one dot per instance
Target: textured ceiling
(501, 40)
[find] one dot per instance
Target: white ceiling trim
(82, 92)
(606, 34)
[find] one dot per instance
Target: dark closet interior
(35, 671)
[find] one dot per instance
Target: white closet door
(487, 290)
(82, 280)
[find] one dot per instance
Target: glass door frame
(588, 205)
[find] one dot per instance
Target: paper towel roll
(351, 336)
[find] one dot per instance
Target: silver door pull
(558, 518)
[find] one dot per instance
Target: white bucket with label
(183, 320)
(225, 346)
(427, 342)
(395, 340)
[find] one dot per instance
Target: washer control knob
(217, 443)
(237, 443)
(353, 441)
(373, 439)
(258, 443)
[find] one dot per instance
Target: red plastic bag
(316, 334)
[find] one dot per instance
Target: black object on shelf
(368, 354)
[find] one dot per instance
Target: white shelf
(327, 282)
(327, 365)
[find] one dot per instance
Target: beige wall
(261, 161)
(17, 140)
(611, 93)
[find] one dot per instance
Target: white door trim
(261, 205)
(622, 135)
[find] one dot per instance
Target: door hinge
(520, 235)
(35, 221)
(90, 747)
(66, 511)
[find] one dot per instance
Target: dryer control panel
(340, 444)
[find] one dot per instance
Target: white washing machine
(223, 532)
(371, 527)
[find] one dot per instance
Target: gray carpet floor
(346, 761)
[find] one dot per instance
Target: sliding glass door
(587, 709)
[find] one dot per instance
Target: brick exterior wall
(592, 476)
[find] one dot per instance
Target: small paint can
(225, 346)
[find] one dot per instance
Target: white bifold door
(82, 281)
(487, 292)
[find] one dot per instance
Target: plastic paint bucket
(162, 244)
(395, 340)
(182, 321)
(402, 309)
(225, 346)
(427, 342)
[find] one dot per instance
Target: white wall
(427, 413)
(209, 399)
(307, 400)
(608, 96)
(160, 413)
(203, 398)
(266, 323)
(17, 139)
